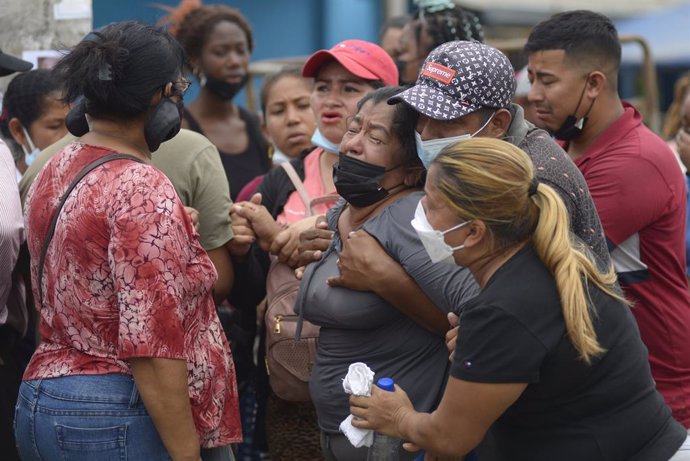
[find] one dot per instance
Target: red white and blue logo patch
(438, 72)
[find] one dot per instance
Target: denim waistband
(108, 388)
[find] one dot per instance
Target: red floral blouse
(125, 277)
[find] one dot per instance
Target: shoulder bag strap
(299, 186)
(53, 222)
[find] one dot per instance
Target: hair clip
(105, 73)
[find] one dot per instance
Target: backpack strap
(53, 222)
(299, 186)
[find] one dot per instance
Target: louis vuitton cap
(458, 78)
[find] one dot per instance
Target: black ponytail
(119, 68)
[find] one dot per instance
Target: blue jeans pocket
(89, 443)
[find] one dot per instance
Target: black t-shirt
(514, 332)
(247, 165)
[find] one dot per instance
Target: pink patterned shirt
(125, 277)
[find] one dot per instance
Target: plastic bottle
(384, 448)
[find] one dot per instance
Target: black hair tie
(532, 187)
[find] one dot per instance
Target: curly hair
(191, 23)
(447, 24)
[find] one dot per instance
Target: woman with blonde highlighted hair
(547, 361)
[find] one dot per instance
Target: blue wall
(282, 28)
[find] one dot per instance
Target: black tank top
(245, 166)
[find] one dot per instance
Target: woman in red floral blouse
(133, 363)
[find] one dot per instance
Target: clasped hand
(252, 222)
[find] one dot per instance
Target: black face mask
(163, 123)
(224, 90)
(358, 182)
(75, 121)
(572, 127)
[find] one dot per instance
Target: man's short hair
(581, 34)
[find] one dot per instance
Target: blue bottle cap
(387, 384)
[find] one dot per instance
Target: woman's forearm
(401, 291)
(464, 415)
(424, 430)
(162, 384)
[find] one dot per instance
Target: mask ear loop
(579, 101)
(580, 121)
(32, 147)
(485, 124)
(589, 108)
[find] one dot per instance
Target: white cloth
(358, 381)
(683, 453)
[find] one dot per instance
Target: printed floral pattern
(125, 277)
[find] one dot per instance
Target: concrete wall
(30, 25)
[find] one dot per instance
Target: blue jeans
(89, 417)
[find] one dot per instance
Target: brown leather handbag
(289, 360)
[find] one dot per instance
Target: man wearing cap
(465, 89)
(13, 315)
(636, 183)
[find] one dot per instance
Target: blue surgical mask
(433, 240)
(29, 157)
(428, 150)
(320, 140)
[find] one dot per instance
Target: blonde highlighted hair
(492, 181)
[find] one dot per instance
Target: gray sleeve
(448, 286)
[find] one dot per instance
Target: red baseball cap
(364, 59)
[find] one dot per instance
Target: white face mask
(29, 157)
(432, 239)
(320, 140)
(429, 149)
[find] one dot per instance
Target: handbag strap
(309, 203)
(299, 186)
(53, 222)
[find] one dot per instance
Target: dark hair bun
(119, 68)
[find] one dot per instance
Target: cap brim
(9, 64)
(318, 59)
(433, 103)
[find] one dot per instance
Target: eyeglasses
(181, 86)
